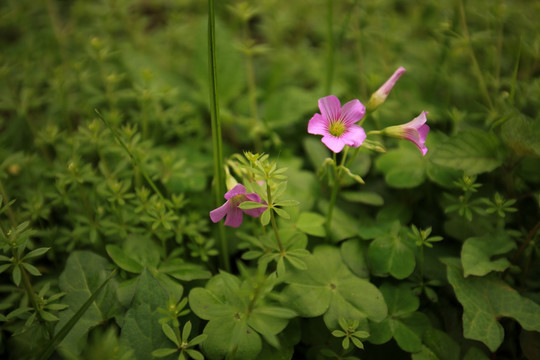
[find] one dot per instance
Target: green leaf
(329, 287)
(4, 267)
(282, 213)
(47, 316)
(184, 271)
(477, 251)
(287, 203)
(522, 134)
(404, 167)
(343, 226)
(438, 345)
(485, 300)
(265, 217)
(473, 151)
(123, 260)
(85, 273)
(227, 334)
(197, 340)
(16, 275)
(311, 223)
(400, 299)
(251, 205)
(363, 197)
(207, 305)
(70, 324)
(194, 354)
(409, 329)
(353, 253)
(31, 269)
(475, 353)
(403, 322)
(141, 329)
(35, 253)
(169, 333)
(186, 331)
(163, 352)
(392, 255)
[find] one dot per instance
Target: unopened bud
(379, 96)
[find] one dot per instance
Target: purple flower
(379, 96)
(415, 131)
(337, 124)
(234, 214)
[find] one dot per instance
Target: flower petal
(389, 84)
(352, 112)
(219, 213)
(423, 131)
(239, 189)
(330, 107)
(354, 136)
(414, 136)
(333, 143)
(417, 121)
(234, 217)
(253, 197)
(254, 212)
(318, 125)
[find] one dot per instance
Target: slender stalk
(219, 175)
(530, 236)
(330, 43)
(273, 219)
(10, 212)
(335, 189)
(476, 67)
(421, 265)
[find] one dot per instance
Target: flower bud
(379, 96)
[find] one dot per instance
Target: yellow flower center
(336, 128)
(236, 200)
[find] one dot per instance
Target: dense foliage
(109, 170)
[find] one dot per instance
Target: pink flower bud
(379, 96)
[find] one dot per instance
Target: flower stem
(219, 176)
(273, 218)
(335, 189)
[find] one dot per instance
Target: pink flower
(379, 96)
(337, 124)
(234, 214)
(415, 131)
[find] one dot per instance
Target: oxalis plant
(263, 180)
(293, 279)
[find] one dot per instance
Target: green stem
(530, 236)
(330, 54)
(219, 176)
(421, 265)
(335, 189)
(273, 219)
(10, 212)
(28, 288)
(476, 67)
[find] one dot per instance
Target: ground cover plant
(185, 179)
